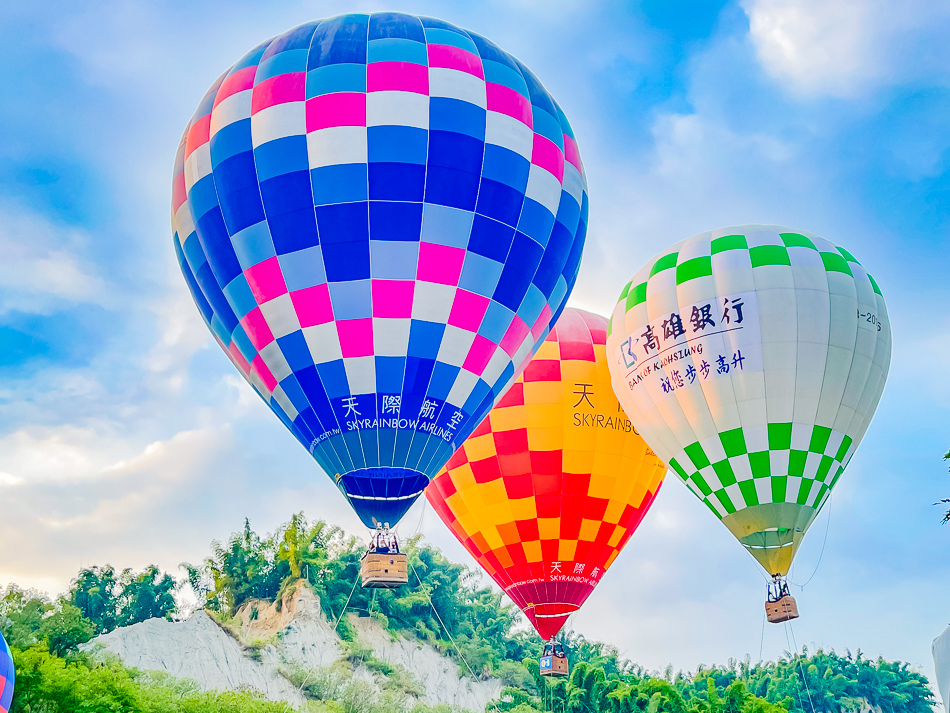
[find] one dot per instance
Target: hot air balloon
(548, 489)
(379, 217)
(752, 359)
(7, 676)
(941, 652)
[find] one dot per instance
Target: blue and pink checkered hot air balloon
(7, 671)
(379, 217)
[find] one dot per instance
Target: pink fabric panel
(312, 305)
(571, 154)
(240, 81)
(257, 330)
(479, 355)
(397, 77)
(239, 361)
(506, 100)
(548, 156)
(393, 298)
(440, 263)
(260, 368)
(283, 88)
(356, 337)
(538, 328)
(514, 337)
(340, 109)
(455, 58)
(179, 194)
(198, 135)
(468, 310)
(266, 280)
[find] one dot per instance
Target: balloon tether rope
(823, 543)
(444, 627)
(788, 629)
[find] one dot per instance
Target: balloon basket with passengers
(384, 566)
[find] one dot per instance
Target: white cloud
(42, 268)
(844, 48)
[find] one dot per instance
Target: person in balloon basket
(384, 541)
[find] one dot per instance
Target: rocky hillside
(287, 648)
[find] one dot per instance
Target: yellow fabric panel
(549, 528)
(480, 447)
(545, 439)
(509, 419)
(589, 529)
(524, 509)
(566, 550)
(532, 550)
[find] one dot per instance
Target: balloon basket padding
(384, 571)
(554, 666)
(783, 609)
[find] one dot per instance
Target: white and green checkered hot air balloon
(751, 359)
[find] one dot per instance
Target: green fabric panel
(779, 486)
(728, 242)
(701, 484)
(847, 256)
(874, 285)
(761, 467)
(769, 255)
(749, 494)
(804, 490)
(697, 455)
(610, 325)
(678, 468)
(726, 501)
(795, 240)
(626, 290)
(733, 442)
(712, 507)
(833, 262)
(823, 467)
(843, 449)
(664, 263)
(780, 436)
(691, 269)
(837, 475)
(819, 439)
(637, 295)
(724, 472)
(796, 463)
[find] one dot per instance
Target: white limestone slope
(199, 649)
(295, 636)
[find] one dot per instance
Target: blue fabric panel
(447, 186)
(395, 221)
(397, 181)
(384, 25)
(339, 40)
(281, 156)
(342, 183)
(457, 116)
(491, 239)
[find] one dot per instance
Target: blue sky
(126, 437)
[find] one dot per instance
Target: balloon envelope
(7, 675)
(941, 652)
(752, 359)
(549, 488)
(379, 217)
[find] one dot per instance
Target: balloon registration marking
(550, 487)
(379, 217)
(752, 359)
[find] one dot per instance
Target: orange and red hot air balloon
(548, 489)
